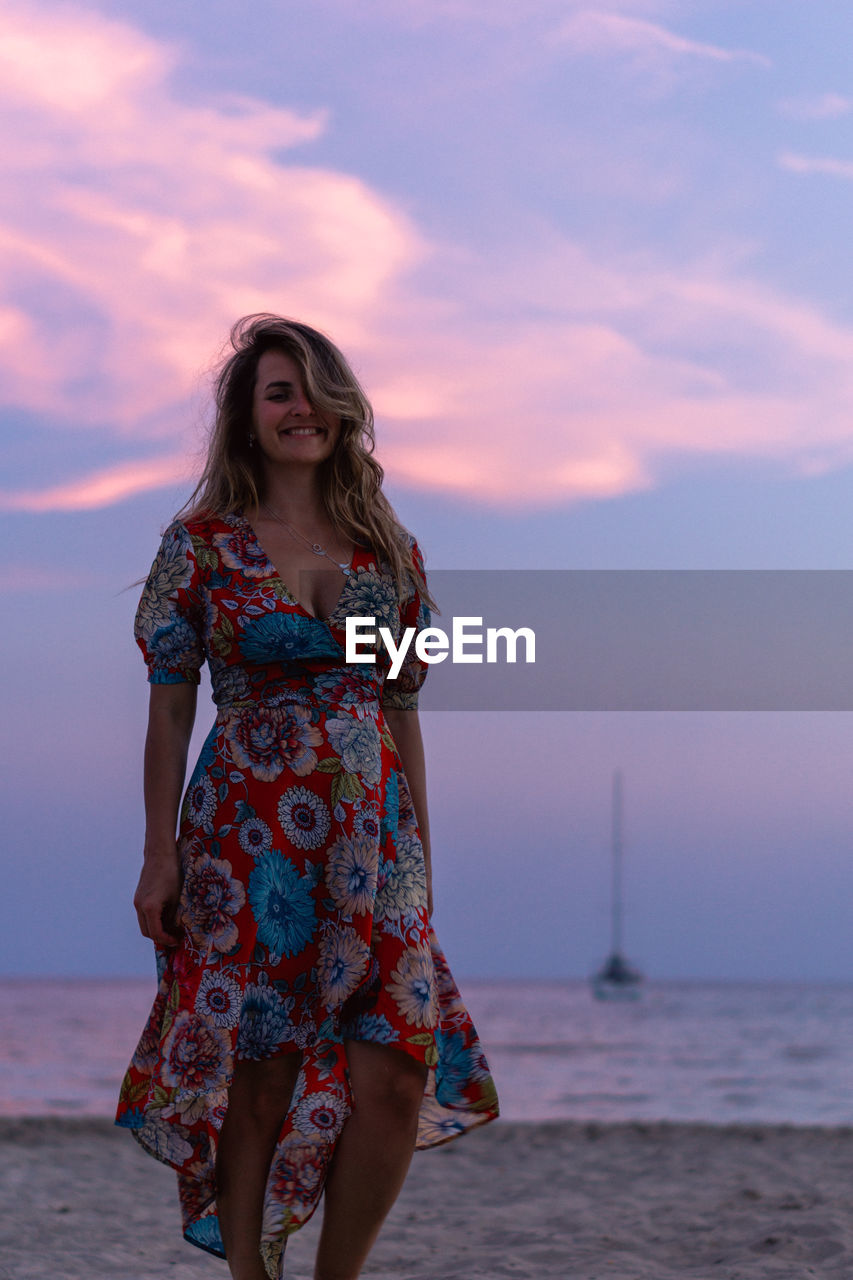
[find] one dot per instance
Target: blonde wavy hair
(351, 479)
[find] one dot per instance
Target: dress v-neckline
(247, 524)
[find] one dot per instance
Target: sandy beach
(593, 1202)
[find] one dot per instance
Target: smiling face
(289, 430)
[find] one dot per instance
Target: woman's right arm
(171, 715)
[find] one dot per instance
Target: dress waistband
(345, 692)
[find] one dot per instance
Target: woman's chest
(253, 614)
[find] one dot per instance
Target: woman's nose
(301, 405)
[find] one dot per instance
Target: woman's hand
(156, 898)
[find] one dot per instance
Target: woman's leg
(257, 1104)
(372, 1156)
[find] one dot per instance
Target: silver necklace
(314, 546)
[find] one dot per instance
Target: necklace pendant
(317, 549)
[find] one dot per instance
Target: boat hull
(604, 989)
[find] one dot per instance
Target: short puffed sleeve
(169, 620)
(402, 693)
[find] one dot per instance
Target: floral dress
(303, 904)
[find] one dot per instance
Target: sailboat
(616, 979)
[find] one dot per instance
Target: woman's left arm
(406, 731)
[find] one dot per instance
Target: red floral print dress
(304, 891)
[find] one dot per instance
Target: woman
(307, 1032)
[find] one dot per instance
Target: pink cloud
(578, 412)
(144, 224)
(506, 13)
(150, 223)
(827, 165)
(596, 31)
(637, 360)
(102, 488)
(71, 63)
(822, 106)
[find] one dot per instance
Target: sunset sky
(591, 261)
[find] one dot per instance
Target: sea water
(716, 1052)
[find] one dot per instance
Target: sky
(591, 262)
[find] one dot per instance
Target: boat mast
(616, 898)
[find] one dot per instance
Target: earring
(251, 441)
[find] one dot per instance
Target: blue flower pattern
(288, 637)
(282, 904)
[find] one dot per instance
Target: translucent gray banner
(650, 640)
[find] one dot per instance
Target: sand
(79, 1200)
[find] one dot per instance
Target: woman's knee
(262, 1091)
(386, 1080)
